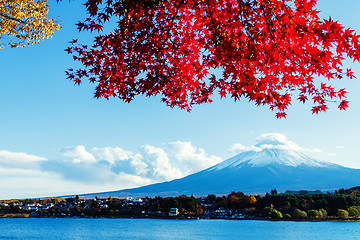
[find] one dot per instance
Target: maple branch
(242, 20)
(298, 24)
(273, 37)
(173, 19)
(241, 17)
(12, 18)
(212, 21)
(292, 17)
(268, 26)
(246, 31)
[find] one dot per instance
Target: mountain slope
(272, 163)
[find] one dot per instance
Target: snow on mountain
(272, 149)
(274, 162)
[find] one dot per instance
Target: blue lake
(71, 228)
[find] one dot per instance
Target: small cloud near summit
(272, 137)
(271, 141)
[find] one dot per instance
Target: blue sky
(55, 138)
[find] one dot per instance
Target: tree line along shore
(343, 204)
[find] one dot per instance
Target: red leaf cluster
(266, 50)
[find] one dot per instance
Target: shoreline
(25, 215)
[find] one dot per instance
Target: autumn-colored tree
(24, 22)
(233, 201)
(268, 51)
(249, 199)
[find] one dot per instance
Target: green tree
(188, 203)
(342, 213)
(354, 211)
(275, 214)
(298, 214)
(313, 213)
(287, 216)
(169, 202)
(210, 198)
(323, 213)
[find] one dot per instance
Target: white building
(173, 212)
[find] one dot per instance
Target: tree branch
(173, 19)
(212, 21)
(273, 37)
(11, 18)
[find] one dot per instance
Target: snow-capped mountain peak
(272, 149)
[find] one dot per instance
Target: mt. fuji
(273, 163)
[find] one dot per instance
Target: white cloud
(79, 154)
(9, 173)
(340, 147)
(26, 176)
(141, 168)
(19, 160)
(99, 169)
(20, 183)
(332, 154)
(238, 147)
(272, 141)
(273, 137)
(160, 164)
(277, 138)
(111, 154)
(23, 157)
(316, 150)
(175, 160)
(193, 158)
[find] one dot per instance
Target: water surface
(154, 229)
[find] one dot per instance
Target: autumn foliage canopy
(267, 51)
(25, 22)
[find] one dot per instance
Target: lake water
(155, 229)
